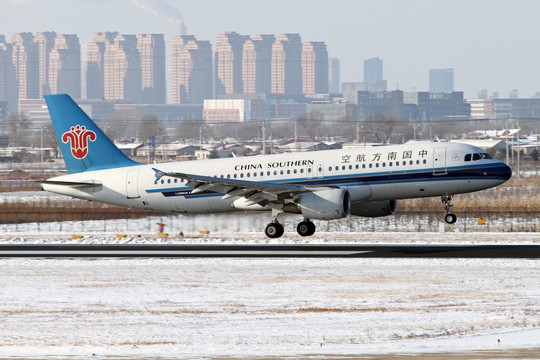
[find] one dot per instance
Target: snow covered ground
(269, 308)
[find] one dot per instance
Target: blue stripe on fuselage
(473, 172)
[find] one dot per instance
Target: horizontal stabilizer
(90, 183)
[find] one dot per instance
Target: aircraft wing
(257, 192)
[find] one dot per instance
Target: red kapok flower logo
(78, 136)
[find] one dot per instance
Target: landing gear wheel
(450, 219)
(306, 228)
(274, 230)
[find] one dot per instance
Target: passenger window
(370, 166)
(329, 168)
(468, 157)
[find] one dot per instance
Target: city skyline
(486, 43)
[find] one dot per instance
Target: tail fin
(84, 146)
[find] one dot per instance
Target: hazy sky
(491, 44)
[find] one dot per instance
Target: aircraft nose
(504, 171)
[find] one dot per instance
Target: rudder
(83, 144)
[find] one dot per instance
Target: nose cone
(503, 171)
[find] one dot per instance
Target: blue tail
(84, 146)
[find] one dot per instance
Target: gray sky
(491, 44)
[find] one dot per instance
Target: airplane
(323, 185)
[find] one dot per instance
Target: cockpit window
(477, 156)
(485, 156)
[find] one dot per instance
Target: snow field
(199, 308)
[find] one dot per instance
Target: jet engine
(325, 204)
(374, 208)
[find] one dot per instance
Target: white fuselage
(368, 173)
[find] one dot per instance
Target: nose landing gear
(449, 218)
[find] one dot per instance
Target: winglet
(159, 174)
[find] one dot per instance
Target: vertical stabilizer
(84, 146)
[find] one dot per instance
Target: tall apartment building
(152, 52)
(228, 63)
(95, 64)
(122, 69)
(441, 80)
(314, 68)
(26, 62)
(257, 64)
(64, 75)
(287, 65)
(7, 77)
(191, 70)
(334, 80)
(45, 44)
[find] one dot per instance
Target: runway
(271, 251)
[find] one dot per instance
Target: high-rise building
(95, 64)
(7, 77)
(45, 44)
(65, 66)
(373, 75)
(191, 70)
(373, 70)
(228, 63)
(26, 62)
(152, 52)
(122, 69)
(287, 65)
(441, 80)
(334, 81)
(257, 64)
(314, 68)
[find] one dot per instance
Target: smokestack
(182, 29)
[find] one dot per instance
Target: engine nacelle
(326, 204)
(374, 208)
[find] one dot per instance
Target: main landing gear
(275, 230)
(449, 218)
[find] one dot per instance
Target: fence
(255, 222)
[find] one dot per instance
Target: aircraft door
(439, 161)
(132, 188)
